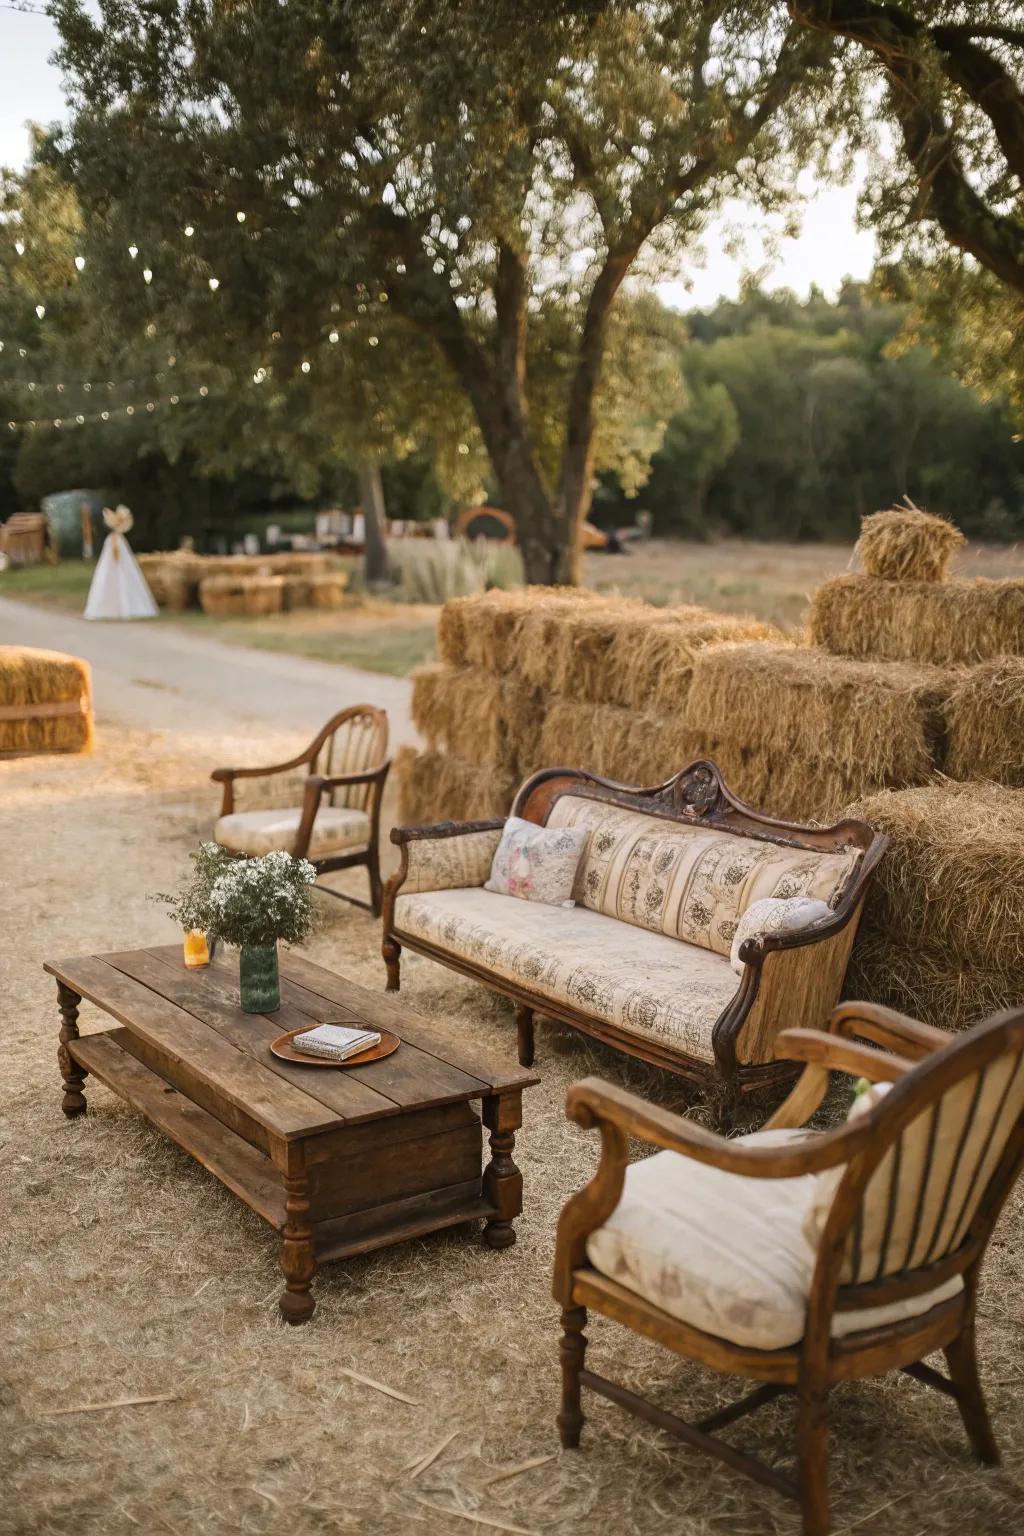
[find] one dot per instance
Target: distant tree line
(801, 416)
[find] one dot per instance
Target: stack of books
(335, 1042)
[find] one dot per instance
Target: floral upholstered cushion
(336, 829)
(692, 882)
(441, 863)
(651, 985)
(728, 1253)
(776, 914)
(537, 863)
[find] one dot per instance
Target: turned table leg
(298, 1264)
(503, 1183)
(73, 1074)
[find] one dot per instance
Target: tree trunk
(376, 572)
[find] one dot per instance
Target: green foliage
(433, 570)
(249, 903)
(802, 417)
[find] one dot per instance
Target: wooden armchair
(699, 1247)
(337, 826)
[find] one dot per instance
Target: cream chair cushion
(336, 829)
(726, 1253)
(656, 987)
(692, 882)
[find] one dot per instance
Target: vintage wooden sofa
(337, 825)
(642, 961)
(802, 1259)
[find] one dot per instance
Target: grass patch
(64, 585)
(379, 647)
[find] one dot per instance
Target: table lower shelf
(252, 1176)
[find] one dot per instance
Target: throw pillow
(775, 914)
(537, 863)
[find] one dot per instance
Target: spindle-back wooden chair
(922, 1178)
(347, 767)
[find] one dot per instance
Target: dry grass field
(131, 1273)
(768, 581)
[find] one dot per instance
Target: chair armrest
(594, 1102)
(884, 1026)
(448, 856)
(824, 1053)
(367, 776)
(227, 777)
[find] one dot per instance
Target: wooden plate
(283, 1048)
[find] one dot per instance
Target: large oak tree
(481, 180)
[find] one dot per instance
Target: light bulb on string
(374, 340)
(40, 310)
(104, 415)
(240, 216)
(129, 410)
(214, 284)
(203, 391)
(147, 274)
(80, 420)
(58, 422)
(133, 251)
(333, 337)
(19, 246)
(80, 263)
(150, 406)
(174, 399)
(305, 367)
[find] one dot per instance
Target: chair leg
(962, 1360)
(524, 1034)
(373, 865)
(812, 1459)
(572, 1349)
(392, 952)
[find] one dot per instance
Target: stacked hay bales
(311, 581)
(985, 718)
(944, 623)
(942, 936)
(45, 702)
(235, 596)
(549, 677)
(799, 733)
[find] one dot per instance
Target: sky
(828, 248)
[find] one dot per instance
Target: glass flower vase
(259, 985)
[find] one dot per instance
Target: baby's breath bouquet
(252, 904)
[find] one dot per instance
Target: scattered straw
(45, 701)
(943, 623)
(524, 1466)
(420, 1465)
(114, 1402)
(476, 1517)
(986, 723)
(906, 544)
(378, 1386)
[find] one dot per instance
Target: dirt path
(160, 678)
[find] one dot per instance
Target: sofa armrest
(445, 857)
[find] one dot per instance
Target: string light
(19, 246)
(240, 217)
(40, 310)
(189, 231)
(80, 263)
(214, 284)
(305, 367)
(333, 337)
(147, 274)
(133, 251)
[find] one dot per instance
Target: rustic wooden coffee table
(340, 1162)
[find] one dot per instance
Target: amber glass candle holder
(197, 951)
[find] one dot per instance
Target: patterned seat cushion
(336, 829)
(692, 882)
(726, 1253)
(652, 985)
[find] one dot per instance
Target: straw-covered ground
(131, 1273)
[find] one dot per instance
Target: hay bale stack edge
(906, 544)
(45, 702)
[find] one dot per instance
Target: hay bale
(45, 702)
(482, 630)
(484, 718)
(799, 732)
(985, 718)
(952, 879)
(173, 579)
(943, 624)
(906, 544)
(295, 593)
(924, 983)
(327, 589)
(231, 596)
(433, 786)
(617, 743)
